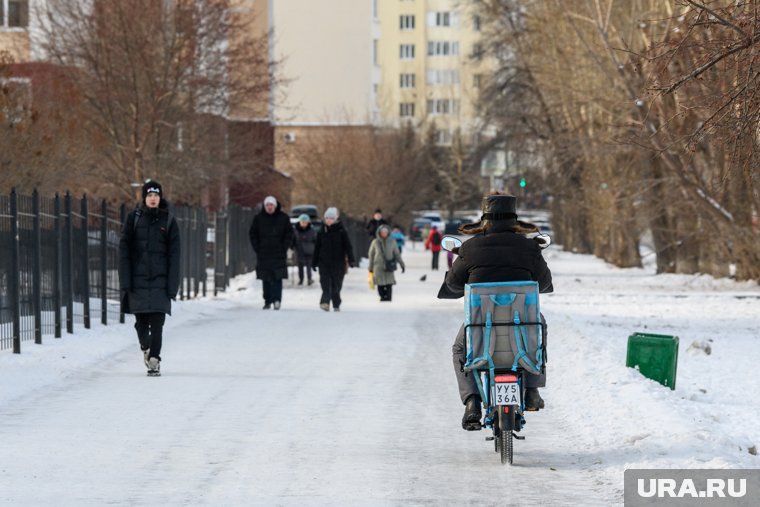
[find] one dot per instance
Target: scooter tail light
(505, 378)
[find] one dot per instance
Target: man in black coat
(377, 221)
(149, 261)
(271, 235)
(332, 255)
(499, 251)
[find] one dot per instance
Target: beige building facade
(431, 65)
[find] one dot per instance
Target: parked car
(452, 226)
(435, 220)
(419, 229)
(308, 209)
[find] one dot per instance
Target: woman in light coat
(382, 251)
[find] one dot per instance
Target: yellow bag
(371, 280)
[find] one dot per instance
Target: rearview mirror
(449, 243)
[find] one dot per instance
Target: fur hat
(499, 207)
(151, 187)
(331, 213)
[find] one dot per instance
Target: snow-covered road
(303, 407)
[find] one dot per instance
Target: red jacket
(429, 245)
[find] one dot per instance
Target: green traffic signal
(522, 182)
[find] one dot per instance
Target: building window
(374, 8)
(406, 109)
(406, 23)
(442, 77)
(477, 51)
(408, 81)
(476, 22)
(442, 106)
(443, 48)
(406, 51)
(14, 13)
(442, 137)
(374, 52)
(443, 19)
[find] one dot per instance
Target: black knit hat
(151, 186)
(499, 207)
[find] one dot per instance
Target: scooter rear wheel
(505, 442)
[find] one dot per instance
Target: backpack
(436, 239)
(503, 326)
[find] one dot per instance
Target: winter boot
(472, 413)
(533, 400)
(154, 367)
(300, 282)
(311, 281)
(336, 308)
(146, 356)
(325, 306)
(276, 305)
(267, 306)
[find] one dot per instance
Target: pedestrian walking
(377, 221)
(333, 255)
(271, 235)
(384, 257)
(149, 260)
(433, 243)
(304, 240)
(399, 237)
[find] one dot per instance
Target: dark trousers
(272, 291)
(466, 381)
(150, 330)
(385, 291)
(304, 263)
(435, 260)
(331, 284)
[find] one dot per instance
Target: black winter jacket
(149, 259)
(304, 241)
(499, 255)
(332, 249)
(271, 236)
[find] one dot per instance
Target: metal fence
(59, 260)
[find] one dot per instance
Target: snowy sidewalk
(303, 407)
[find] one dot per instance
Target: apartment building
(431, 62)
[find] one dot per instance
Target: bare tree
(150, 74)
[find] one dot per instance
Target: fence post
(37, 269)
(57, 267)
(69, 271)
(123, 218)
(104, 263)
(86, 262)
(15, 284)
(204, 242)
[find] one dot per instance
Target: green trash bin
(655, 356)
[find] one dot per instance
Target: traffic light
(522, 183)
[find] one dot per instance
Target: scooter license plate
(506, 393)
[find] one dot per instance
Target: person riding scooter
(499, 251)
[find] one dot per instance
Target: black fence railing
(59, 261)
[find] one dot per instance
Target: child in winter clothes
(433, 243)
(399, 237)
(304, 241)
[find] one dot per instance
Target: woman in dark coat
(499, 251)
(271, 235)
(149, 260)
(332, 255)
